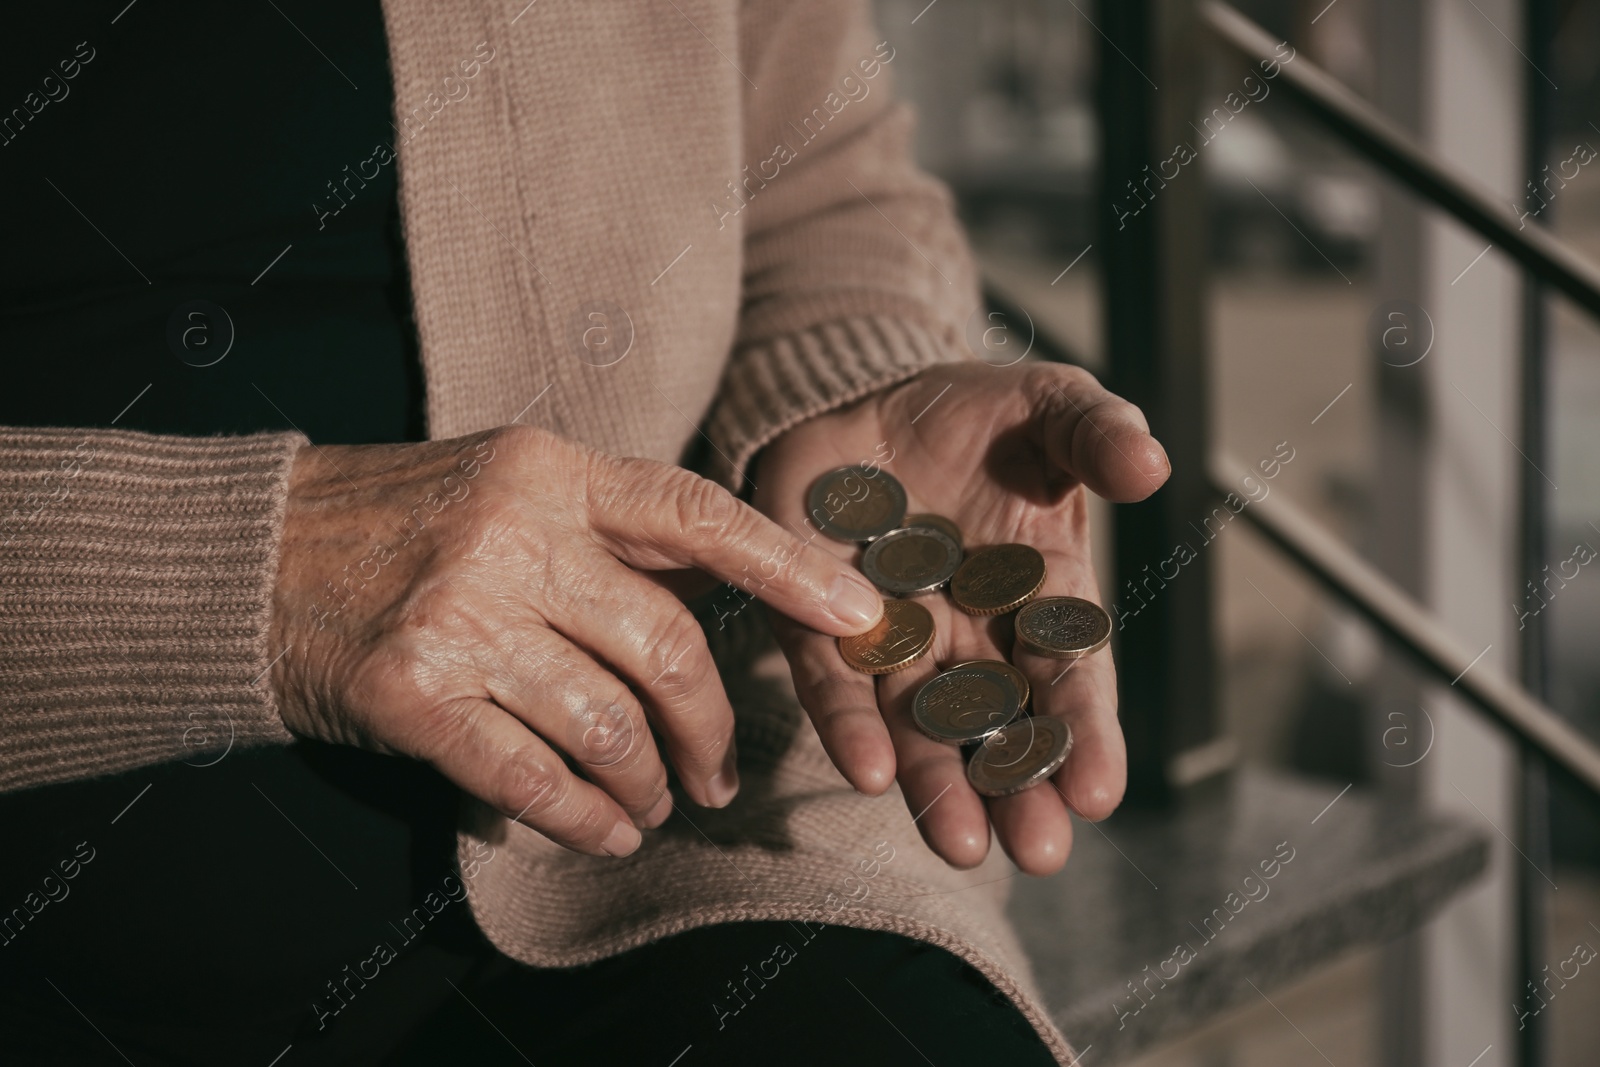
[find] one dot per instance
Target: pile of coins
(981, 704)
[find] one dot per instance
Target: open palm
(1007, 455)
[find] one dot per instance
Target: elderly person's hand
(1006, 454)
(481, 604)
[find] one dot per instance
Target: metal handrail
(1383, 603)
(1389, 608)
(1156, 266)
(1546, 257)
(1370, 132)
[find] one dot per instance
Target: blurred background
(1417, 459)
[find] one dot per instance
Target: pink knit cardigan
(725, 190)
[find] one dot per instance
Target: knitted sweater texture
(725, 191)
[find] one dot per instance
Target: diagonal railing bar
(1396, 614)
(1370, 132)
(1387, 607)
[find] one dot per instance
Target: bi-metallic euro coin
(966, 704)
(911, 560)
(856, 504)
(1019, 756)
(1062, 627)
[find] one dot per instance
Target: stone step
(1160, 922)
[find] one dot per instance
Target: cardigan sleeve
(136, 579)
(856, 273)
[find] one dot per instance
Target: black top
(167, 174)
(188, 153)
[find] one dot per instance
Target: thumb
(1096, 436)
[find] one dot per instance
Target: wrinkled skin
(494, 603)
(1008, 454)
(490, 609)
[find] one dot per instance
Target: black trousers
(220, 913)
(740, 993)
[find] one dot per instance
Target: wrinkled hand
(482, 604)
(1007, 454)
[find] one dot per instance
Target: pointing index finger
(652, 516)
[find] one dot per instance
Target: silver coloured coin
(965, 704)
(1020, 756)
(1062, 627)
(911, 560)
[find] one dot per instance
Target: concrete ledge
(1161, 922)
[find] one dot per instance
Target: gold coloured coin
(998, 579)
(911, 560)
(1019, 756)
(856, 504)
(1018, 679)
(902, 636)
(1062, 627)
(936, 522)
(966, 704)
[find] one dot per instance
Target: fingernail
(658, 814)
(877, 779)
(1165, 462)
(623, 839)
(721, 790)
(854, 603)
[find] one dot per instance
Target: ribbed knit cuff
(136, 579)
(772, 385)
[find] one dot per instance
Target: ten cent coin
(998, 579)
(1063, 627)
(1018, 679)
(965, 705)
(911, 560)
(855, 504)
(936, 522)
(902, 636)
(1020, 756)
